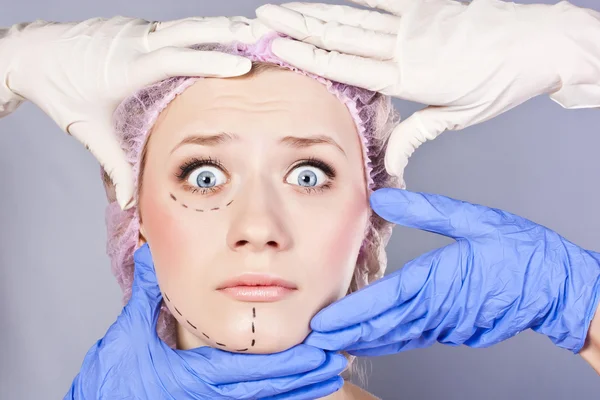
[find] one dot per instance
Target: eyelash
(189, 166)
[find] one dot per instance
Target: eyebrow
(296, 142)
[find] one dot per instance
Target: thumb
(101, 141)
(409, 135)
(435, 213)
(145, 292)
(174, 61)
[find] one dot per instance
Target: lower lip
(257, 294)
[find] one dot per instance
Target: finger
(409, 135)
(145, 292)
(404, 320)
(172, 61)
(229, 368)
(368, 20)
(397, 7)
(438, 214)
(331, 368)
(315, 391)
(422, 342)
(248, 376)
(330, 35)
(407, 335)
(191, 31)
(368, 303)
(105, 147)
(352, 70)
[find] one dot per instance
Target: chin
(254, 328)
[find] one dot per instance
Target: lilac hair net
(373, 115)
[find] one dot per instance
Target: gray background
(57, 295)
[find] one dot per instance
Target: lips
(257, 288)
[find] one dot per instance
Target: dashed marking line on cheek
(197, 209)
(208, 337)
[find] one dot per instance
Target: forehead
(273, 103)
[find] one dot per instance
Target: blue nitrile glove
(503, 275)
(131, 362)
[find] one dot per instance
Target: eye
(307, 176)
(206, 177)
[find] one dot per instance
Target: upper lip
(256, 280)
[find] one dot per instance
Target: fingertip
(124, 191)
(242, 67)
(142, 255)
(319, 341)
(388, 196)
(222, 65)
(339, 362)
(337, 383)
(314, 356)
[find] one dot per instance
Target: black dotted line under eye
(197, 209)
(208, 337)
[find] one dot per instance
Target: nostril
(272, 243)
(241, 243)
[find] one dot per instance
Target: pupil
(308, 178)
(206, 179)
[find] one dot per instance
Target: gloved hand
(469, 61)
(503, 275)
(78, 73)
(131, 362)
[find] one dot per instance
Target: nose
(258, 223)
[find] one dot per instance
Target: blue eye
(307, 176)
(207, 177)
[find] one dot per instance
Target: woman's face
(254, 205)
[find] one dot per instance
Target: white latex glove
(78, 73)
(469, 62)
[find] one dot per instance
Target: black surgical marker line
(205, 335)
(253, 312)
(253, 327)
(253, 341)
(197, 209)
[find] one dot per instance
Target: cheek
(337, 244)
(173, 234)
